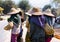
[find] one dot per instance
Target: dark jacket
(15, 18)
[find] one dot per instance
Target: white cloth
(5, 36)
(24, 31)
(16, 30)
(55, 40)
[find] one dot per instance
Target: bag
(9, 26)
(48, 29)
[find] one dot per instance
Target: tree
(1, 3)
(7, 5)
(57, 5)
(57, 1)
(58, 12)
(24, 5)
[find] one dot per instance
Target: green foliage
(7, 5)
(1, 2)
(57, 1)
(24, 5)
(58, 5)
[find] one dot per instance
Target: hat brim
(35, 13)
(49, 14)
(12, 13)
(28, 14)
(15, 11)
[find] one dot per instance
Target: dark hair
(20, 13)
(46, 7)
(53, 11)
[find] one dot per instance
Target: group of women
(37, 20)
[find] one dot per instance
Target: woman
(49, 19)
(15, 20)
(36, 21)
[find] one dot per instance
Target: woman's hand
(11, 24)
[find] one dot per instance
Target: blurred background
(27, 4)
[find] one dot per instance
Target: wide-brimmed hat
(34, 11)
(48, 13)
(14, 11)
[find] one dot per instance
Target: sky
(38, 3)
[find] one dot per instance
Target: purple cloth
(48, 39)
(36, 20)
(14, 37)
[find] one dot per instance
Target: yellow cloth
(49, 29)
(9, 26)
(57, 36)
(1, 9)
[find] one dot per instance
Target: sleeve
(29, 18)
(19, 19)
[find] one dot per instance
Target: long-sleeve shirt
(49, 20)
(15, 18)
(17, 23)
(39, 20)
